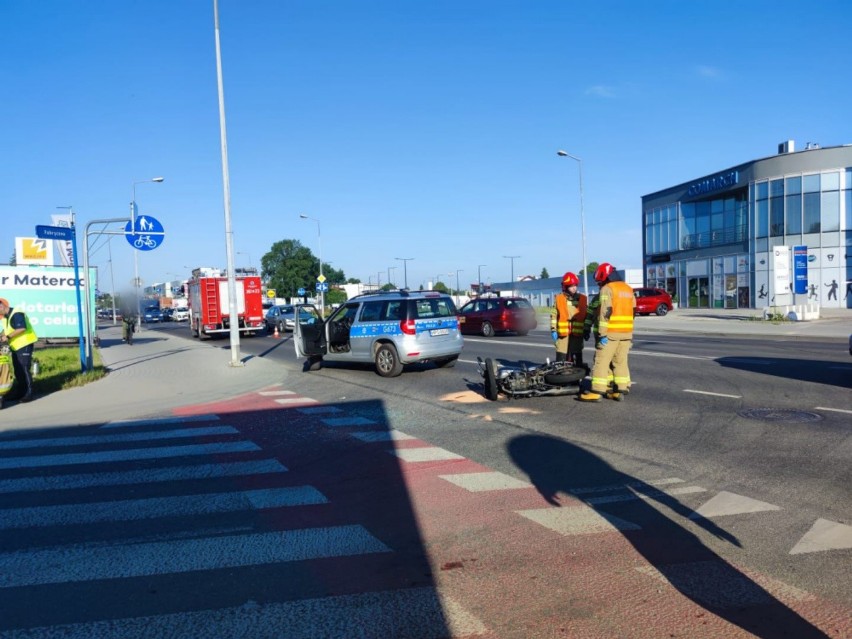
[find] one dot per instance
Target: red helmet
(604, 271)
(569, 279)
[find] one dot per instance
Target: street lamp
(405, 261)
(564, 154)
(136, 252)
(111, 281)
(390, 268)
(460, 270)
(479, 278)
(513, 258)
(321, 278)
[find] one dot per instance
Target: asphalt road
(771, 473)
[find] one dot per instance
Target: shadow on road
(819, 372)
(674, 553)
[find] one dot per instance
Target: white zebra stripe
(419, 613)
(83, 440)
(97, 457)
(157, 421)
(137, 509)
(81, 562)
(151, 475)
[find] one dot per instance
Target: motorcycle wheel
(490, 380)
(573, 376)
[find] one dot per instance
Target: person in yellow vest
(591, 328)
(566, 321)
(18, 333)
(615, 323)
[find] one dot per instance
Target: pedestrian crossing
(209, 503)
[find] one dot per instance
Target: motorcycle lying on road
(551, 378)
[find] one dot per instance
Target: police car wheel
(387, 361)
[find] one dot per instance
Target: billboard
(47, 294)
(32, 250)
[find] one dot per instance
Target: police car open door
(309, 331)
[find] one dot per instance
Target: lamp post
(479, 278)
(460, 270)
(564, 154)
(111, 281)
(390, 268)
(135, 252)
(405, 261)
(513, 258)
(319, 242)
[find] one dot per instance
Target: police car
(387, 328)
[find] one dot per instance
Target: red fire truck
(209, 308)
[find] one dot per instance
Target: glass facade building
(715, 241)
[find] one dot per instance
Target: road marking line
(120, 437)
(479, 482)
(577, 520)
(296, 400)
(276, 392)
(824, 535)
(161, 420)
(317, 410)
(81, 562)
(137, 509)
(632, 484)
(98, 457)
(424, 454)
(382, 436)
(335, 422)
(672, 355)
(151, 475)
(632, 352)
(410, 612)
(725, 503)
(834, 410)
(655, 494)
(698, 392)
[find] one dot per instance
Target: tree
(544, 274)
(440, 286)
(13, 261)
(289, 266)
(591, 268)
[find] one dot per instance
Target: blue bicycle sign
(146, 234)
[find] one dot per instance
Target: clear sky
(424, 130)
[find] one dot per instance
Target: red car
(652, 300)
(489, 315)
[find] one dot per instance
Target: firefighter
(591, 328)
(566, 321)
(615, 323)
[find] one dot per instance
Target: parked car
(168, 314)
(152, 314)
(181, 314)
(491, 314)
(387, 328)
(652, 300)
(281, 317)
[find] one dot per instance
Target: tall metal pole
(457, 283)
(226, 185)
(319, 243)
(111, 280)
(512, 258)
(405, 261)
(585, 271)
(136, 282)
(390, 268)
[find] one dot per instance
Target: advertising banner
(32, 250)
(800, 269)
(48, 296)
(781, 274)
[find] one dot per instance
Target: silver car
(388, 329)
(280, 317)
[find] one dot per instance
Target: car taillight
(504, 316)
(407, 327)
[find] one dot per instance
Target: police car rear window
(434, 307)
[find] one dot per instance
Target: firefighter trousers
(613, 352)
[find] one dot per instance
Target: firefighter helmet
(603, 272)
(569, 279)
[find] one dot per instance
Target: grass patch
(59, 368)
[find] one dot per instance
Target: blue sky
(424, 130)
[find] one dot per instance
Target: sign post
(70, 233)
(800, 269)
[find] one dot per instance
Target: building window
(848, 192)
(793, 202)
(776, 208)
(830, 202)
(811, 204)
